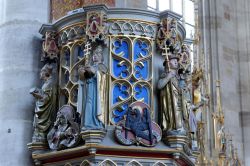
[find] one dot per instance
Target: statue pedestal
(195, 155)
(93, 136)
(176, 141)
(180, 142)
(222, 158)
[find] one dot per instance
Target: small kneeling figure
(65, 132)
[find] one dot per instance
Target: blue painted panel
(119, 113)
(120, 91)
(142, 92)
(121, 47)
(67, 57)
(140, 48)
(142, 71)
(66, 77)
(120, 70)
(80, 52)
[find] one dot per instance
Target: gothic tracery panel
(71, 56)
(131, 73)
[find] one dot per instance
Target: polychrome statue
(65, 132)
(171, 106)
(45, 109)
(92, 99)
(199, 100)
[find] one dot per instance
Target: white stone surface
(20, 45)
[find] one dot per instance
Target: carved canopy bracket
(96, 26)
(168, 35)
(50, 48)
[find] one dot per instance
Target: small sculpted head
(97, 54)
(173, 63)
(46, 72)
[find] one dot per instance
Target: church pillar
(19, 71)
(244, 60)
(225, 45)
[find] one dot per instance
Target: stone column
(20, 45)
(243, 14)
(227, 44)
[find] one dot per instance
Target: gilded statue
(199, 100)
(92, 99)
(221, 138)
(65, 132)
(171, 116)
(236, 161)
(45, 109)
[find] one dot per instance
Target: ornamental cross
(87, 48)
(166, 54)
(87, 52)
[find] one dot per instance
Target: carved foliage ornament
(50, 49)
(168, 35)
(96, 21)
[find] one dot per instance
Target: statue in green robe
(45, 110)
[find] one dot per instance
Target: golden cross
(87, 52)
(166, 54)
(87, 48)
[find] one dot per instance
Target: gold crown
(197, 75)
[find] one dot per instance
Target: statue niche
(92, 99)
(65, 132)
(45, 109)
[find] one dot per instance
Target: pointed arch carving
(85, 163)
(107, 162)
(68, 164)
(134, 163)
(158, 163)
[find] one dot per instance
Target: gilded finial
(219, 113)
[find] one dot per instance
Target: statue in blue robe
(92, 99)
